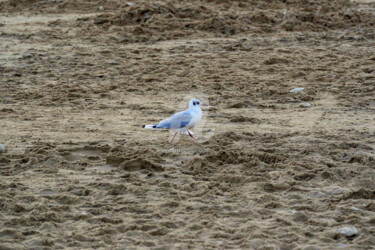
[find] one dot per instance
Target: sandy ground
(79, 80)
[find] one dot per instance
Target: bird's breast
(196, 118)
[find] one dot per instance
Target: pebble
(2, 148)
(296, 90)
(354, 208)
(348, 231)
(342, 245)
(305, 105)
(121, 39)
(101, 8)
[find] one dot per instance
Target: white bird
(182, 121)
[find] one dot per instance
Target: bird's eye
(198, 103)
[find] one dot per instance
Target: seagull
(182, 121)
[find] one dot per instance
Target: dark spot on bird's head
(194, 103)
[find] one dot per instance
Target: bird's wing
(177, 120)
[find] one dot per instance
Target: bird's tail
(149, 126)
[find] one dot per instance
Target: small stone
(347, 231)
(342, 245)
(129, 3)
(2, 148)
(296, 90)
(311, 248)
(305, 105)
(101, 8)
(354, 208)
(121, 39)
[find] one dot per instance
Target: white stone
(296, 90)
(305, 105)
(2, 148)
(348, 231)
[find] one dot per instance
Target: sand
(78, 81)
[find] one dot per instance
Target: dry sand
(79, 80)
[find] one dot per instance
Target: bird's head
(195, 103)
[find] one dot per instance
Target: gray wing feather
(176, 121)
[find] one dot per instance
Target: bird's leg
(173, 137)
(191, 135)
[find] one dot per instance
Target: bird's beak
(204, 105)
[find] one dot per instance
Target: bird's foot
(190, 134)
